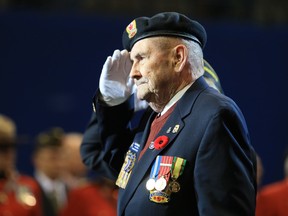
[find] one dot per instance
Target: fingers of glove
(126, 62)
(116, 55)
(115, 58)
(121, 66)
(106, 67)
(116, 62)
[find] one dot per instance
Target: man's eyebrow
(137, 55)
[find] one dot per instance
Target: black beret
(163, 24)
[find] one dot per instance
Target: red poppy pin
(160, 142)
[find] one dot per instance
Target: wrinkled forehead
(143, 47)
(157, 44)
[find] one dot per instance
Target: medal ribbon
(177, 167)
(165, 167)
(155, 168)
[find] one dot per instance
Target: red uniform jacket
(272, 200)
(88, 201)
(20, 198)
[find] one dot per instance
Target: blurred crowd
(258, 11)
(61, 184)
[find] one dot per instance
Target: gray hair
(195, 57)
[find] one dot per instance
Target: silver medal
(160, 184)
(150, 184)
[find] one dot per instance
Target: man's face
(152, 69)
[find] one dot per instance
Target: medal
(176, 170)
(160, 173)
(160, 184)
(164, 173)
(129, 161)
(127, 166)
(174, 186)
(150, 184)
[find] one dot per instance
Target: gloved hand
(115, 84)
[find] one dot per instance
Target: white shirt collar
(175, 98)
(49, 185)
(46, 183)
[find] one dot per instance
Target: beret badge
(131, 29)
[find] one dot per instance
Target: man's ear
(180, 57)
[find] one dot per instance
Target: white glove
(114, 83)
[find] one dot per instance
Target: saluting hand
(115, 84)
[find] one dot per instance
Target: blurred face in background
(7, 146)
(49, 161)
(71, 153)
(7, 160)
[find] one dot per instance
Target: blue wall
(50, 65)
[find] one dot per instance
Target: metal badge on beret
(131, 29)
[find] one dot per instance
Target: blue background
(50, 66)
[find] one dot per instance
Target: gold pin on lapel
(176, 128)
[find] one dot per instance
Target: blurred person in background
(272, 199)
(260, 171)
(211, 77)
(48, 164)
(75, 172)
(19, 194)
(88, 195)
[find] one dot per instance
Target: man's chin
(142, 96)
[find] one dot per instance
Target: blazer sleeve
(107, 138)
(225, 167)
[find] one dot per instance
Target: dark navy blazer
(219, 176)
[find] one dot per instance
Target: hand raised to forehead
(115, 84)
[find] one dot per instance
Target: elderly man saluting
(191, 152)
